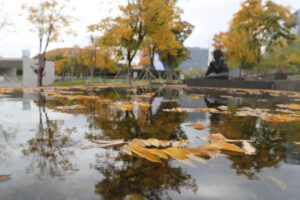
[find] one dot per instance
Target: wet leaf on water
(177, 153)
(197, 126)
(154, 142)
(179, 144)
(219, 143)
(108, 143)
(159, 153)
(201, 152)
(143, 152)
(159, 143)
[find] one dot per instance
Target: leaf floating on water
(154, 142)
(4, 177)
(106, 144)
(197, 126)
(143, 152)
(179, 144)
(159, 153)
(176, 153)
(249, 148)
(165, 143)
(219, 143)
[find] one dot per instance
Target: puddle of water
(45, 147)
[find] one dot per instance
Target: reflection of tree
(7, 134)
(138, 176)
(117, 124)
(49, 148)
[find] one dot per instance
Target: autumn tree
(98, 57)
(284, 57)
(161, 38)
(50, 20)
(253, 30)
(138, 20)
(173, 57)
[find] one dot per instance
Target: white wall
(30, 78)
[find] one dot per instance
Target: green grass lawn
(97, 81)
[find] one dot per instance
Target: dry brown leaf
(201, 152)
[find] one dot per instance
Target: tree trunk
(170, 75)
(92, 69)
(129, 81)
(40, 70)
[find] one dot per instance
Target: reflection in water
(271, 141)
(138, 176)
(50, 147)
(106, 174)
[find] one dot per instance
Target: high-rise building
(296, 29)
(198, 59)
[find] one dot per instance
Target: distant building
(296, 29)
(198, 59)
(25, 53)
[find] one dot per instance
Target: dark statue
(218, 68)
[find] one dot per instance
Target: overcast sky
(209, 17)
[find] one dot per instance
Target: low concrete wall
(229, 83)
(268, 85)
(30, 78)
